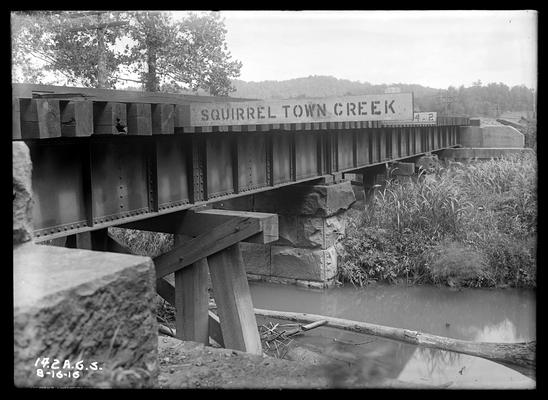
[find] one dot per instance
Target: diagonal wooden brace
(212, 231)
(195, 222)
(233, 298)
(206, 244)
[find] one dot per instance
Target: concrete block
(313, 200)
(502, 136)
(256, 257)
(22, 193)
(496, 136)
(305, 264)
(72, 304)
(470, 136)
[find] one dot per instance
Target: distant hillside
(317, 86)
(489, 100)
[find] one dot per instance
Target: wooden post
(233, 298)
(191, 303)
(192, 300)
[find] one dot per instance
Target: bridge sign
(419, 118)
(375, 107)
(425, 117)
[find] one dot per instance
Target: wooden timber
(517, 356)
(191, 302)
(76, 118)
(139, 117)
(163, 119)
(162, 113)
(236, 326)
(109, 118)
(220, 237)
(193, 223)
(167, 291)
(210, 241)
(40, 118)
(233, 299)
(196, 310)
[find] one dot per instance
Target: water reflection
(437, 367)
(463, 314)
(504, 332)
(470, 314)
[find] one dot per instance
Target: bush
(457, 265)
(369, 256)
(143, 243)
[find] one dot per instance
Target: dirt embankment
(190, 365)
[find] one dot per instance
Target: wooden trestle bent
(205, 241)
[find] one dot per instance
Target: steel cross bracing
(103, 157)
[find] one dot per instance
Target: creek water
(488, 315)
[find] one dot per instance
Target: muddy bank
(190, 365)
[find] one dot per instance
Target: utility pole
(446, 100)
(101, 62)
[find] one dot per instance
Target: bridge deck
(87, 175)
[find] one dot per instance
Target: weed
(466, 224)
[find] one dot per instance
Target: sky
(431, 48)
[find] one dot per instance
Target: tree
(79, 46)
(93, 48)
(154, 36)
(198, 57)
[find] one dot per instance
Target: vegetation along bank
(472, 224)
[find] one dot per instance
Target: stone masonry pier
(311, 221)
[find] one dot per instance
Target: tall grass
(466, 224)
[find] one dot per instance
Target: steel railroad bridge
(88, 175)
(106, 158)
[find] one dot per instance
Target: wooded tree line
(489, 100)
(103, 48)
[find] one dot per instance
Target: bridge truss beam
(89, 183)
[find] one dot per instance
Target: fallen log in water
(517, 356)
